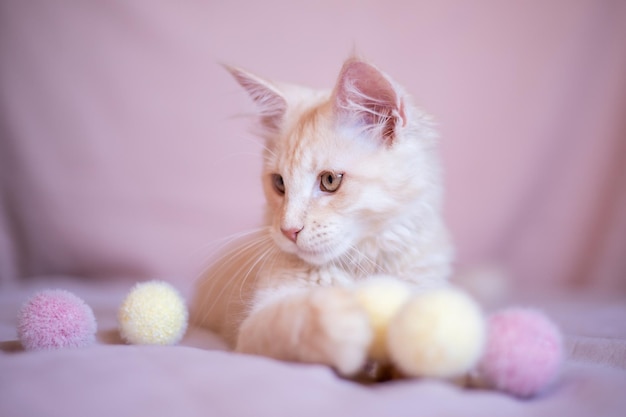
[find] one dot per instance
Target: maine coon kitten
(353, 189)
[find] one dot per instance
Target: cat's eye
(330, 181)
(278, 183)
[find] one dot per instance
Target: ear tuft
(271, 103)
(366, 99)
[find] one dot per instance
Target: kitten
(353, 188)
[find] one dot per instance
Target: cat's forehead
(310, 144)
(306, 152)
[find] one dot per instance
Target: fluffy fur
(285, 291)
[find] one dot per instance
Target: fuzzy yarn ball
(55, 319)
(382, 297)
(437, 334)
(153, 313)
(524, 352)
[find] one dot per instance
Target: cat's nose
(291, 233)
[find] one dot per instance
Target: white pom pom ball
(382, 297)
(153, 313)
(438, 334)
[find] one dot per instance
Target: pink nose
(291, 234)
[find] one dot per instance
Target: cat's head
(345, 168)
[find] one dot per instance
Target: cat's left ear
(271, 103)
(364, 98)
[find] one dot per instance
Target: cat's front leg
(320, 325)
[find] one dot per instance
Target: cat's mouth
(320, 255)
(313, 256)
(313, 253)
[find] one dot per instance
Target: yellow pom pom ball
(438, 334)
(382, 297)
(153, 313)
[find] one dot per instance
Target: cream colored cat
(353, 188)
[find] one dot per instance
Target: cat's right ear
(271, 103)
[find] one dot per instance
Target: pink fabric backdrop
(121, 153)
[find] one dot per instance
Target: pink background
(122, 154)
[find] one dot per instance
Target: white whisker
(213, 274)
(209, 251)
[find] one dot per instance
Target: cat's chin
(311, 256)
(314, 257)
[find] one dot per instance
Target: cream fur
(292, 300)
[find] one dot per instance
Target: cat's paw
(338, 331)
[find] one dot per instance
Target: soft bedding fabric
(199, 378)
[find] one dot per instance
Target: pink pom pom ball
(524, 352)
(54, 319)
